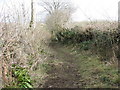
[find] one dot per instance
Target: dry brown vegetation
(19, 43)
(96, 25)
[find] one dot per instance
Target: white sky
(96, 9)
(93, 9)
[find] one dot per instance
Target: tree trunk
(32, 21)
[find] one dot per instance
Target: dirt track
(64, 74)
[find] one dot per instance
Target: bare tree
(55, 5)
(58, 13)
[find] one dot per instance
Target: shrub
(105, 44)
(102, 41)
(71, 36)
(86, 45)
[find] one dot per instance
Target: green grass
(94, 72)
(21, 78)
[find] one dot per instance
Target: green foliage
(109, 79)
(104, 41)
(22, 79)
(101, 42)
(67, 36)
(105, 79)
(86, 45)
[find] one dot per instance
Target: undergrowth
(98, 41)
(94, 73)
(21, 77)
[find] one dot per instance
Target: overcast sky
(85, 9)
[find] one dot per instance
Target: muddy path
(63, 74)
